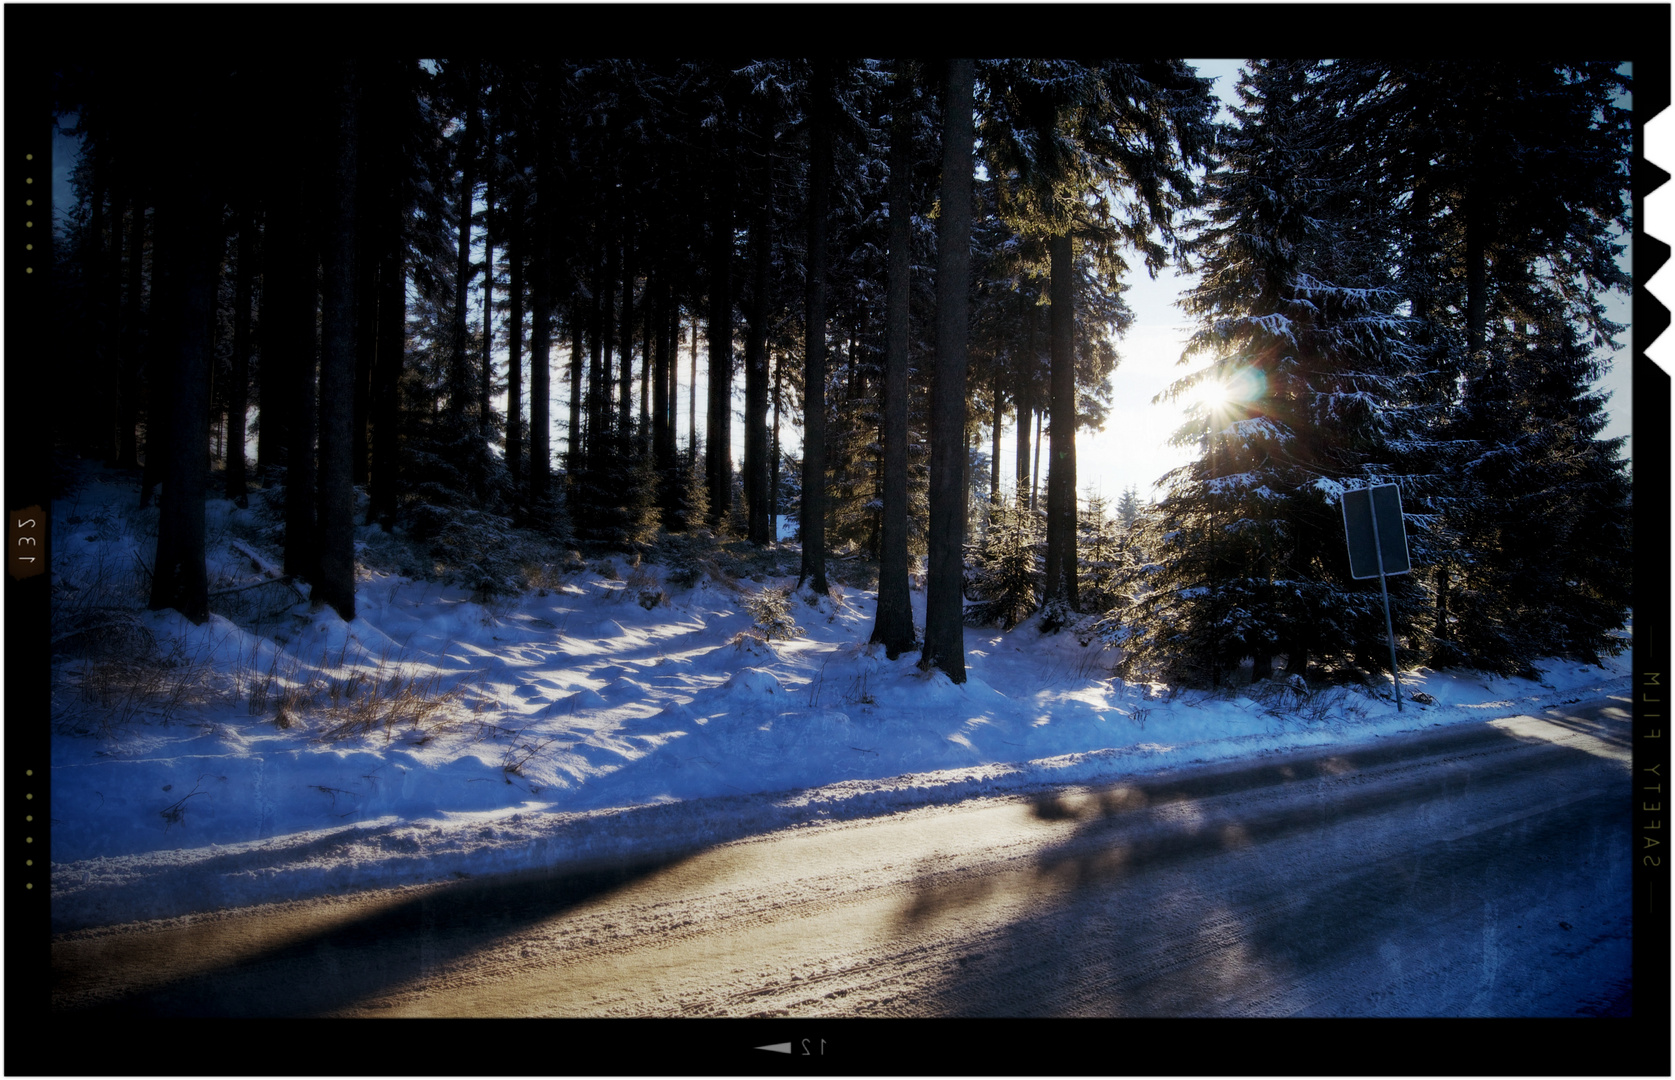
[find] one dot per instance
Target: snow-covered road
(1475, 870)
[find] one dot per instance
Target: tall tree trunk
(608, 320)
(756, 348)
(514, 349)
(98, 417)
(776, 452)
(578, 350)
(459, 379)
(994, 436)
(662, 437)
(369, 239)
(1024, 395)
(485, 376)
(648, 331)
(187, 226)
(893, 624)
(302, 543)
(273, 392)
(1035, 465)
(813, 513)
(385, 466)
(164, 330)
(625, 388)
(336, 584)
(944, 586)
(596, 371)
(128, 408)
(238, 388)
(718, 427)
(692, 397)
(1021, 431)
(543, 264)
(112, 344)
(1061, 472)
(671, 331)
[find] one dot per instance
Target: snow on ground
(283, 753)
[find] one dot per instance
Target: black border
(38, 34)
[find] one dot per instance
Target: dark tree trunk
(1061, 472)
(542, 264)
(671, 331)
(776, 453)
(813, 513)
(596, 404)
(893, 625)
(759, 529)
(1021, 429)
(514, 350)
(188, 228)
(368, 261)
(336, 583)
(648, 331)
(485, 375)
(459, 378)
(662, 435)
(994, 436)
(1035, 465)
(98, 418)
(165, 319)
(238, 385)
(385, 481)
(128, 407)
(718, 427)
(578, 348)
(110, 440)
(692, 397)
(1024, 395)
(625, 388)
(944, 586)
(299, 319)
(273, 393)
(608, 325)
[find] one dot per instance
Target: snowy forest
(464, 468)
(447, 300)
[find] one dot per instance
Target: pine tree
(1519, 179)
(1010, 569)
(1063, 135)
(1128, 507)
(1307, 388)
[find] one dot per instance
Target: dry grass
(128, 680)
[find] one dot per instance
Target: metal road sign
(1372, 519)
(1372, 522)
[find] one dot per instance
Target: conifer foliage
(1392, 292)
(460, 288)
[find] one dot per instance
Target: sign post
(1372, 519)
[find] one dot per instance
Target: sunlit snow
(613, 714)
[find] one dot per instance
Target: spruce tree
(1304, 397)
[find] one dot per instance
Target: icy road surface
(1475, 870)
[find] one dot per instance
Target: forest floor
(610, 711)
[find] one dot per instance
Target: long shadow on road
(1381, 890)
(306, 970)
